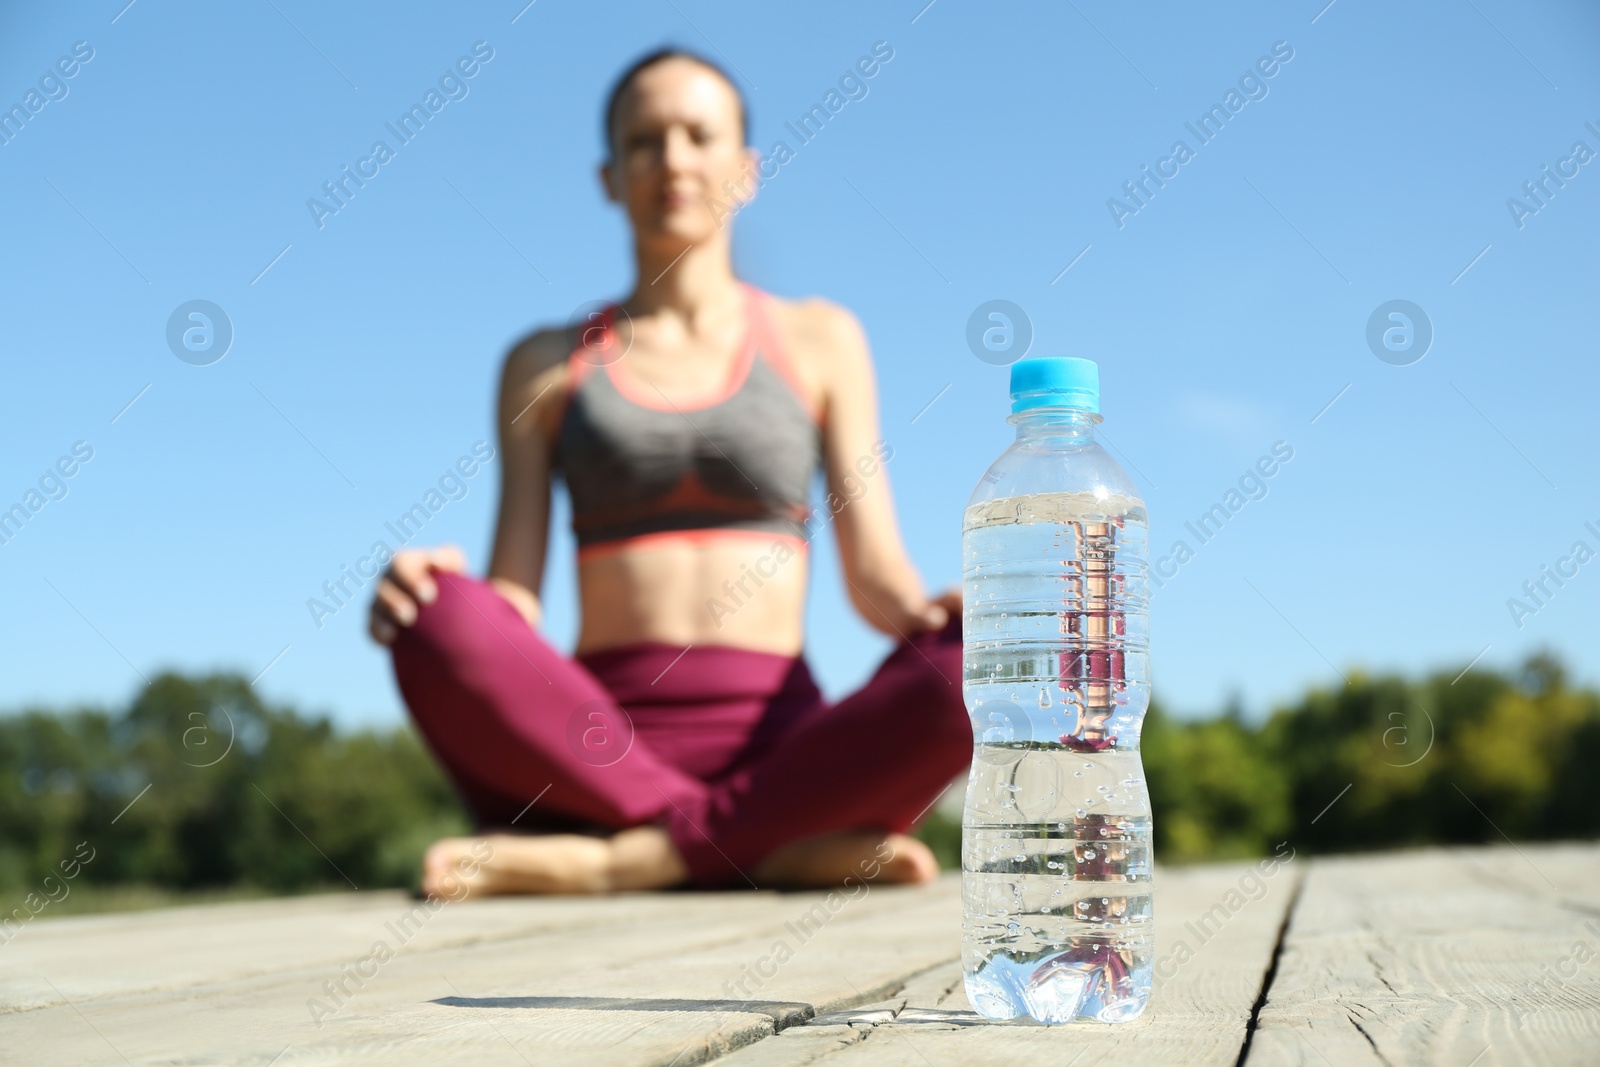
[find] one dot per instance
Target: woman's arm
(531, 394)
(884, 585)
(530, 389)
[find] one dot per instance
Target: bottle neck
(1060, 427)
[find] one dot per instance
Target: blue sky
(1228, 312)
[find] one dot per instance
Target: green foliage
(238, 792)
(1212, 792)
(1441, 760)
(1384, 762)
(247, 798)
(942, 835)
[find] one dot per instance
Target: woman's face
(680, 166)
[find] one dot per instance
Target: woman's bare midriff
(744, 592)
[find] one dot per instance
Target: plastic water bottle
(1055, 839)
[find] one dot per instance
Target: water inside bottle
(1056, 875)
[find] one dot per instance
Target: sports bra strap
(770, 345)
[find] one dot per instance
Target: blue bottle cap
(1055, 381)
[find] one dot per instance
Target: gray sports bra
(636, 465)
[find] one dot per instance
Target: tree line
(198, 784)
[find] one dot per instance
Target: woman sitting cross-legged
(684, 741)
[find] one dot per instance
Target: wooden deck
(1469, 957)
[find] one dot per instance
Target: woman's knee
(463, 622)
(930, 688)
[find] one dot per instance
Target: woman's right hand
(408, 584)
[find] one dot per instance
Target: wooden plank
(1571, 871)
(636, 979)
(1226, 920)
(1440, 956)
(176, 947)
(1444, 956)
(833, 1031)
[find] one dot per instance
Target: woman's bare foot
(639, 858)
(644, 858)
(863, 855)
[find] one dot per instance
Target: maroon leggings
(735, 752)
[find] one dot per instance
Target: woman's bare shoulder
(824, 339)
(815, 320)
(538, 352)
(535, 371)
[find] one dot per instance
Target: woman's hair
(661, 55)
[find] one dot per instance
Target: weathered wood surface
(1437, 955)
(1478, 957)
(1198, 1014)
(631, 979)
